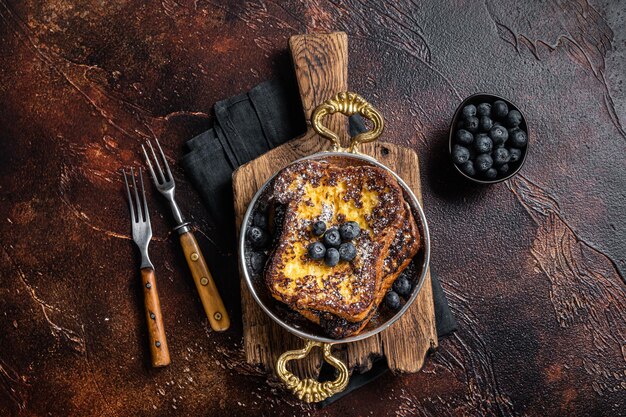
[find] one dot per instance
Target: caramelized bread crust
(316, 190)
(404, 247)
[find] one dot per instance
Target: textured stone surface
(534, 268)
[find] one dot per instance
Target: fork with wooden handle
(209, 295)
(142, 233)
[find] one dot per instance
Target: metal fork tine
(154, 178)
(145, 202)
(139, 214)
(167, 166)
(130, 200)
(156, 161)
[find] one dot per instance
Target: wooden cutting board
(321, 64)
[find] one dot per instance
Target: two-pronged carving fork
(142, 233)
(209, 295)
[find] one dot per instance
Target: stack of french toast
(340, 296)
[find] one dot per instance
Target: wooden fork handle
(156, 330)
(210, 297)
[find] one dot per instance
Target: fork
(209, 295)
(142, 233)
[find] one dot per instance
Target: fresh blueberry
(257, 261)
(332, 238)
(483, 162)
(499, 109)
(463, 137)
(469, 111)
(392, 300)
(257, 237)
(349, 230)
(470, 124)
(503, 169)
(260, 220)
(332, 257)
(316, 251)
(518, 138)
(347, 251)
(485, 123)
(483, 143)
(491, 173)
(513, 118)
(516, 154)
(483, 109)
(460, 154)
(499, 135)
(500, 156)
(318, 228)
(468, 168)
(402, 286)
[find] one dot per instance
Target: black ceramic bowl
(476, 99)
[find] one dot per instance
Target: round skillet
(311, 390)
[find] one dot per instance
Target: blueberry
(499, 109)
(463, 137)
(260, 220)
(316, 251)
(257, 237)
(516, 154)
(469, 111)
(484, 109)
(460, 154)
(402, 286)
(468, 168)
(498, 134)
(485, 123)
(470, 124)
(500, 156)
(503, 169)
(257, 261)
(513, 119)
(483, 143)
(518, 138)
(392, 299)
(318, 228)
(347, 251)
(349, 230)
(491, 173)
(332, 257)
(483, 162)
(332, 238)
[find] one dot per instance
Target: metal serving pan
(311, 390)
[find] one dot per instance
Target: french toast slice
(317, 190)
(402, 250)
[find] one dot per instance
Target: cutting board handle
(321, 64)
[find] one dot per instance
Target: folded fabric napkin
(247, 126)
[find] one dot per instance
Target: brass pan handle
(310, 390)
(348, 103)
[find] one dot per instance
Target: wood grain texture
(321, 65)
(205, 284)
(157, 341)
(534, 268)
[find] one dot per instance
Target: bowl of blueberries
(488, 139)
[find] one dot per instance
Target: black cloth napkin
(246, 126)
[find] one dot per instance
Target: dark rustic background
(534, 268)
